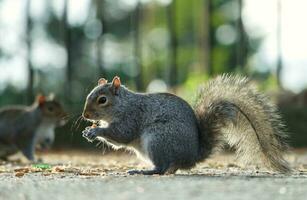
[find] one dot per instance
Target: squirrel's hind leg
(29, 150)
(6, 151)
(158, 151)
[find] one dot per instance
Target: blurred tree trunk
(100, 15)
(67, 43)
(136, 20)
(171, 22)
(207, 36)
(279, 45)
(30, 95)
(241, 43)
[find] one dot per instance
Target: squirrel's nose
(48, 141)
(86, 115)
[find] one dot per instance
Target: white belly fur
(45, 131)
(138, 146)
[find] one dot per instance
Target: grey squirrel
(172, 135)
(23, 128)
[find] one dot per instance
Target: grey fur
(165, 129)
(231, 110)
(21, 127)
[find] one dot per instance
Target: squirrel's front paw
(90, 133)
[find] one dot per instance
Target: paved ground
(87, 175)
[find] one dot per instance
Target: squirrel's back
(11, 111)
(167, 106)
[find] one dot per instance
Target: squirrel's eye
(102, 100)
(50, 109)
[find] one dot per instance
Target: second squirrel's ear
(116, 84)
(102, 81)
(51, 97)
(40, 99)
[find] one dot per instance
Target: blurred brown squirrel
(165, 129)
(23, 128)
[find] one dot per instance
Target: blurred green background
(64, 46)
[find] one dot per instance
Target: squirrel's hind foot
(146, 172)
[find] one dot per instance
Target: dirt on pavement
(91, 175)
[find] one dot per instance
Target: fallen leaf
(42, 166)
(23, 170)
(58, 169)
(19, 174)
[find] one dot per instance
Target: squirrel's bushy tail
(231, 110)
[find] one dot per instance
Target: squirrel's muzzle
(86, 115)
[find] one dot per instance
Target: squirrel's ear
(40, 99)
(102, 81)
(51, 96)
(116, 84)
